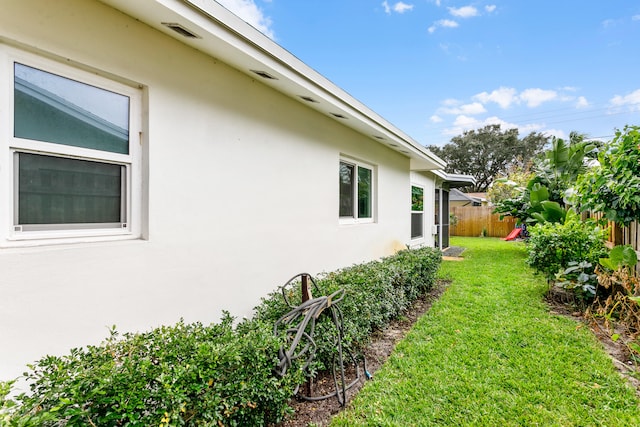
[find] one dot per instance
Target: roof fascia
(224, 36)
(454, 180)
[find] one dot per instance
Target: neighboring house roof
(210, 28)
(482, 196)
(456, 195)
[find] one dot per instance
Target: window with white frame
(74, 168)
(357, 192)
(417, 212)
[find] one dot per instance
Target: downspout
(440, 205)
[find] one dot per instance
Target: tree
(511, 185)
(489, 152)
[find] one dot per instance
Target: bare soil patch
(561, 303)
(319, 413)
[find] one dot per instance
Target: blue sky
(435, 68)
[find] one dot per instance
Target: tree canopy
(489, 152)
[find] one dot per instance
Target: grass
(489, 353)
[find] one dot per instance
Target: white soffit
(222, 35)
(455, 180)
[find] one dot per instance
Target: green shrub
(553, 246)
(375, 293)
(197, 375)
(186, 374)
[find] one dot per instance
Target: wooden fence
(617, 235)
(472, 220)
(629, 235)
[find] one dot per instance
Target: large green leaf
(559, 154)
(620, 256)
(538, 217)
(538, 194)
(553, 212)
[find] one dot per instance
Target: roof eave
(455, 180)
(222, 35)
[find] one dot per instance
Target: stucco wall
(241, 185)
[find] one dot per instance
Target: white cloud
(466, 122)
(504, 97)
(631, 100)
(399, 7)
(582, 102)
(471, 109)
(608, 23)
(448, 23)
(463, 123)
(490, 8)
(523, 129)
(248, 11)
(555, 132)
(635, 18)
(436, 119)
(464, 11)
(535, 97)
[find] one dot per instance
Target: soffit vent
(378, 137)
(339, 116)
(178, 28)
(264, 74)
(308, 98)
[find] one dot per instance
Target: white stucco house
(162, 159)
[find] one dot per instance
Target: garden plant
(209, 375)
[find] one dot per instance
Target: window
(356, 191)
(59, 192)
(417, 212)
(74, 170)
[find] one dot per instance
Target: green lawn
(489, 353)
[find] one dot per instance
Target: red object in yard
(514, 233)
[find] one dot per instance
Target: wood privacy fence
(472, 220)
(629, 235)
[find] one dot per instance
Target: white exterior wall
(240, 193)
(426, 180)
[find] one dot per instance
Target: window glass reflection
(55, 109)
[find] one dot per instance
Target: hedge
(197, 375)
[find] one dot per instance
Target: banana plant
(542, 209)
